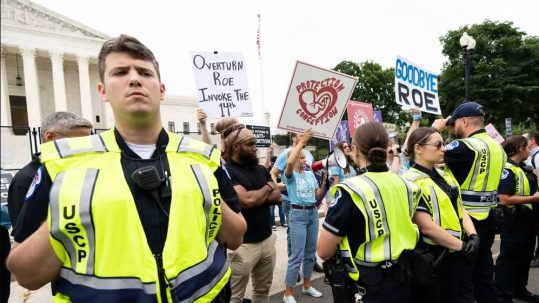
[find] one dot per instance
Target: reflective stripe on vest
(79, 201)
(194, 146)
(522, 183)
(369, 191)
(206, 193)
(479, 189)
(74, 247)
(184, 288)
(65, 150)
(444, 213)
(372, 206)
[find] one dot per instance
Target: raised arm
(201, 116)
(295, 154)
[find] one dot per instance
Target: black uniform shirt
(258, 218)
(345, 219)
(508, 183)
(153, 219)
(459, 158)
(19, 187)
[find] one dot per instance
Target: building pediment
(28, 15)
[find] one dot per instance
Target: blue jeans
(303, 235)
(281, 214)
(286, 207)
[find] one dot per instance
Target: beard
(248, 158)
(459, 133)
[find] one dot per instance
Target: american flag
(258, 42)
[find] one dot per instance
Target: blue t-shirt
(337, 171)
(282, 159)
(301, 187)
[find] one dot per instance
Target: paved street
(43, 295)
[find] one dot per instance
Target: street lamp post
(468, 44)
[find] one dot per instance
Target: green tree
(504, 76)
(375, 85)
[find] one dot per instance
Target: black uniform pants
(388, 290)
(516, 251)
(476, 280)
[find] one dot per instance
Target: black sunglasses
(438, 144)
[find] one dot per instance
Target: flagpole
(265, 113)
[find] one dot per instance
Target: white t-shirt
(144, 151)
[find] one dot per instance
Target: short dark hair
(418, 136)
(129, 45)
(372, 141)
(534, 135)
(512, 144)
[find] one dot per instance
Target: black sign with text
(262, 134)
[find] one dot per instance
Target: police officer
(476, 161)
(107, 237)
(369, 221)
(440, 216)
(517, 190)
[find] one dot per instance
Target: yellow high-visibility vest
(480, 188)
(439, 203)
(97, 234)
(388, 203)
(522, 183)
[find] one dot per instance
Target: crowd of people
(138, 214)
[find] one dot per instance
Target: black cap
(468, 109)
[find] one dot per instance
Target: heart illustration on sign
(318, 103)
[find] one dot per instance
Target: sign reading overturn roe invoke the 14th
(416, 86)
(316, 99)
(222, 84)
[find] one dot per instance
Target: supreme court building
(48, 64)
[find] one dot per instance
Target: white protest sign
(493, 133)
(416, 86)
(222, 84)
(316, 99)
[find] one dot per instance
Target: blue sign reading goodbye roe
(416, 76)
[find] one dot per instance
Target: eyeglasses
(345, 146)
(59, 133)
(438, 144)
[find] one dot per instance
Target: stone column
(31, 87)
(60, 99)
(85, 91)
(4, 93)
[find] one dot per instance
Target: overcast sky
(322, 33)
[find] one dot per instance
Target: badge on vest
(35, 183)
(336, 198)
(452, 145)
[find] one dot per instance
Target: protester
(370, 251)
(112, 196)
(516, 191)
(440, 216)
(340, 174)
(476, 161)
(303, 191)
(257, 192)
(55, 126)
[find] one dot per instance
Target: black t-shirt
(258, 218)
(508, 182)
(459, 158)
(19, 187)
(345, 219)
(154, 221)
